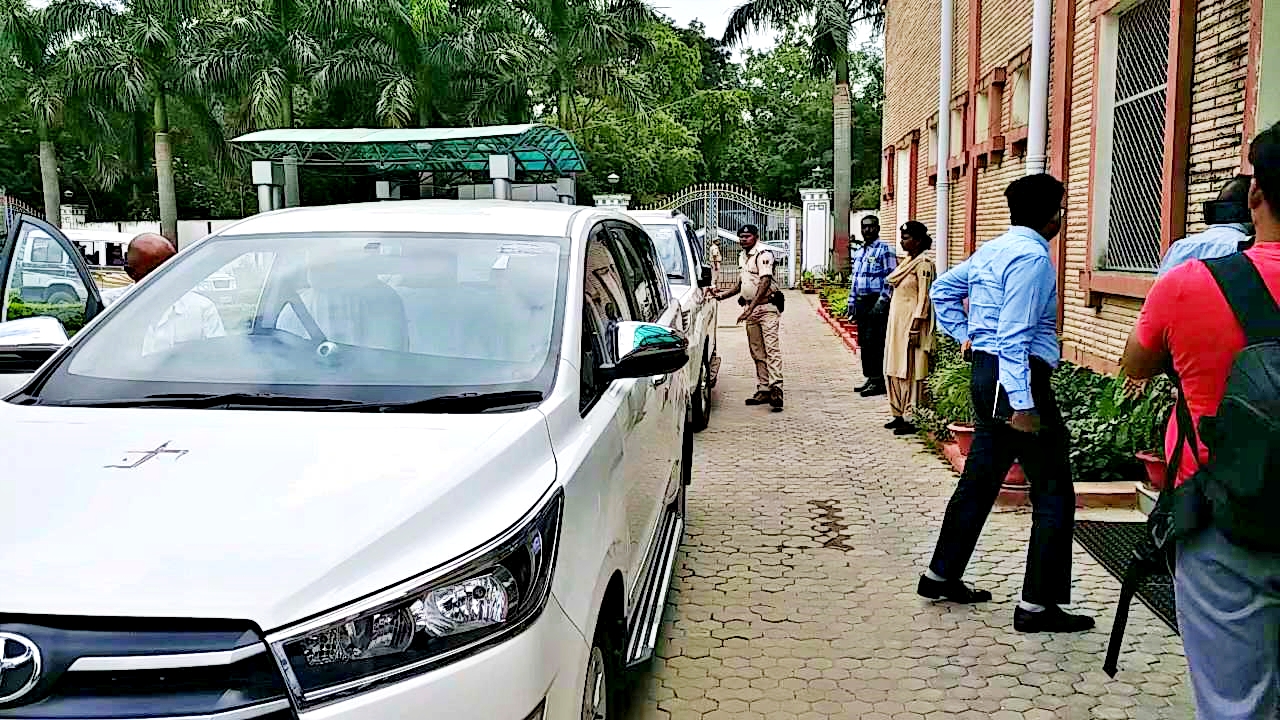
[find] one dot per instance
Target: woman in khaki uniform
(909, 340)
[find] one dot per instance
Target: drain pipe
(1038, 122)
(945, 59)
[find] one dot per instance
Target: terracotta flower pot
(963, 435)
(1157, 469)
(1016, 477)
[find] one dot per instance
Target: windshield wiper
(210, 400)
(462, 403)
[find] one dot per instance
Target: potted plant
(1157, 469)
(949, 388)
(807, 283)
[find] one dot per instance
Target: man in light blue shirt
(1220, 238)
(1011, 329)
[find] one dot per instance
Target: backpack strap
(1247, 294)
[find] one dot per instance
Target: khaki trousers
(766, 350)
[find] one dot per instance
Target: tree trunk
(286, 107)
(843, 172)
(164, 172)
(49, 178)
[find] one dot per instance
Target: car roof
(483, 217)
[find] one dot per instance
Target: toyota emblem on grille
(19, 666)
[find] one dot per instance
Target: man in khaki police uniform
(756, 284)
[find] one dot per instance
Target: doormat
(1112, 544)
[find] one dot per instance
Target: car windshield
(666, 238)
(364, 318)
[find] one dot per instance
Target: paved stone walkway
(795, 595)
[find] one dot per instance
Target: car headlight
(452, 612)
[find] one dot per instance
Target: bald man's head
(147, 252)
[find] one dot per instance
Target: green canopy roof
(538, 149)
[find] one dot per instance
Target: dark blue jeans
(1045, 460)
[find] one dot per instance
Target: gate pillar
(817, 230)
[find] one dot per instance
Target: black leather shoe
(1051, 619)
(895, 423)
(953, 590)
(760, 398)
(906, 428)
(863, 386)
(775, 400)
(873, 390)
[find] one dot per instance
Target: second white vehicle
(684, 259)
(431, 458)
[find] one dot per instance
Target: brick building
(1150, 105)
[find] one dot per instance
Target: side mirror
(645, 350)
(706, 280)
(26, 343)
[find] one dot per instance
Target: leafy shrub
(1106, 426)
(71, 315)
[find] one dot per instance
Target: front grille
(147, 669)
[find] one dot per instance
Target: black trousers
(871, 330)
(1045, 460)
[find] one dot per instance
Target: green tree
(583, 53)
(829, 48)
(39, 63)
(144, 57)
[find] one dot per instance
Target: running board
(642, 635)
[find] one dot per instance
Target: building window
(933, 145)
(982, 118)
(905, 178)
(957, 131)
(1133, 91)
(1020, 112)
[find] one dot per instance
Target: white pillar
(792, 275)
(946, 58)
(1038, 122)
(267, 177)
(817, 230)
(292, 192)
(567, 190)
(502, 171)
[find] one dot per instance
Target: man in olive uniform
(755, 282)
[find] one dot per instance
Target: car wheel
(61, 297)
(602, 693)
(702, 398)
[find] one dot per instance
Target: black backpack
(1241, 481)
(1231, 492)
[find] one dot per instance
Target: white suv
(432, 458)
(684, 259)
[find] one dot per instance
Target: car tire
(602, 693)
(61, 297)
(702, 397)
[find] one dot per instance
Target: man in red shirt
(1228, 596)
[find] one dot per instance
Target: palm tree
(833, 22)
(143, 57)
(585, 48)
(38, 49)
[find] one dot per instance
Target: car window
(670, 246)
(635, 275)
(380, 317)
(604, 304)
(43, 281)
(696, 242)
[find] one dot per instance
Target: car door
(43, 275)
(659, 400)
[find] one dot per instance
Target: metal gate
(720, 210)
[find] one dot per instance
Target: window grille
(1142, 69)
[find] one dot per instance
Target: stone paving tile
(795, 592)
